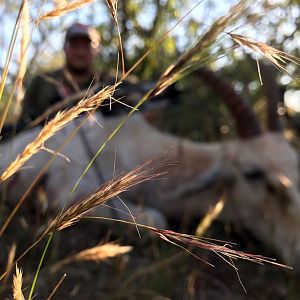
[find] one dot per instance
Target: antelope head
(258, 175)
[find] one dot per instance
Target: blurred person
(81, 46)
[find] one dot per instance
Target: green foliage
(201, 115)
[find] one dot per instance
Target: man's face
(79, 54)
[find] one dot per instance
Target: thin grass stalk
(113, 6)
(110, 137)
(18, 81)
(25, 38)
(21, 256)
(210, 216)
(10, 50)
(39, 267)
(218, 247)
(56, 287)
(10, 260)
(8, 60)
(222, 250)
(60, 120)
(203, 226)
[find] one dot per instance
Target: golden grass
(97, 254)
(108, 190)
(63, 8)
(210, 216)
(25, 39)
(113, 7)
(22, 15)
(172, 73)
(276, 57)
(17, 285)
(10, 260)
(101, 253)
(105, 192)
(58, 122)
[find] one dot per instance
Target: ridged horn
(273, 94)
(246, 121)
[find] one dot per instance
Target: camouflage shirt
(50, 88)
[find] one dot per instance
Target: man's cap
(82, 30)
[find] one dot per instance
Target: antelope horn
(273, 95)
(246, 121)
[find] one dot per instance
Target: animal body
(257, 172)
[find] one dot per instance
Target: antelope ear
(274, 95)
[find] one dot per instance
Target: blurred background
(197, 114)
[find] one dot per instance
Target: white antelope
(258, 171)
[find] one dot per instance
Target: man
(82, 44)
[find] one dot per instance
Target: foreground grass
(91, 281)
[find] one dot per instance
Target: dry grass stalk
(276, 57)
(105, 192)
(211, 215)
(10, 260)
(60, 120)
(188, 243)
(224, 250)
(56, 287)
(22, 59)
(63, 8)
(173, 72)
(101, 253)
(98, 253)
(11, 49)
(17, 285)
(8, 60)
(17, 88)
(113, 7)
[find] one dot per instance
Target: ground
(153, 270)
